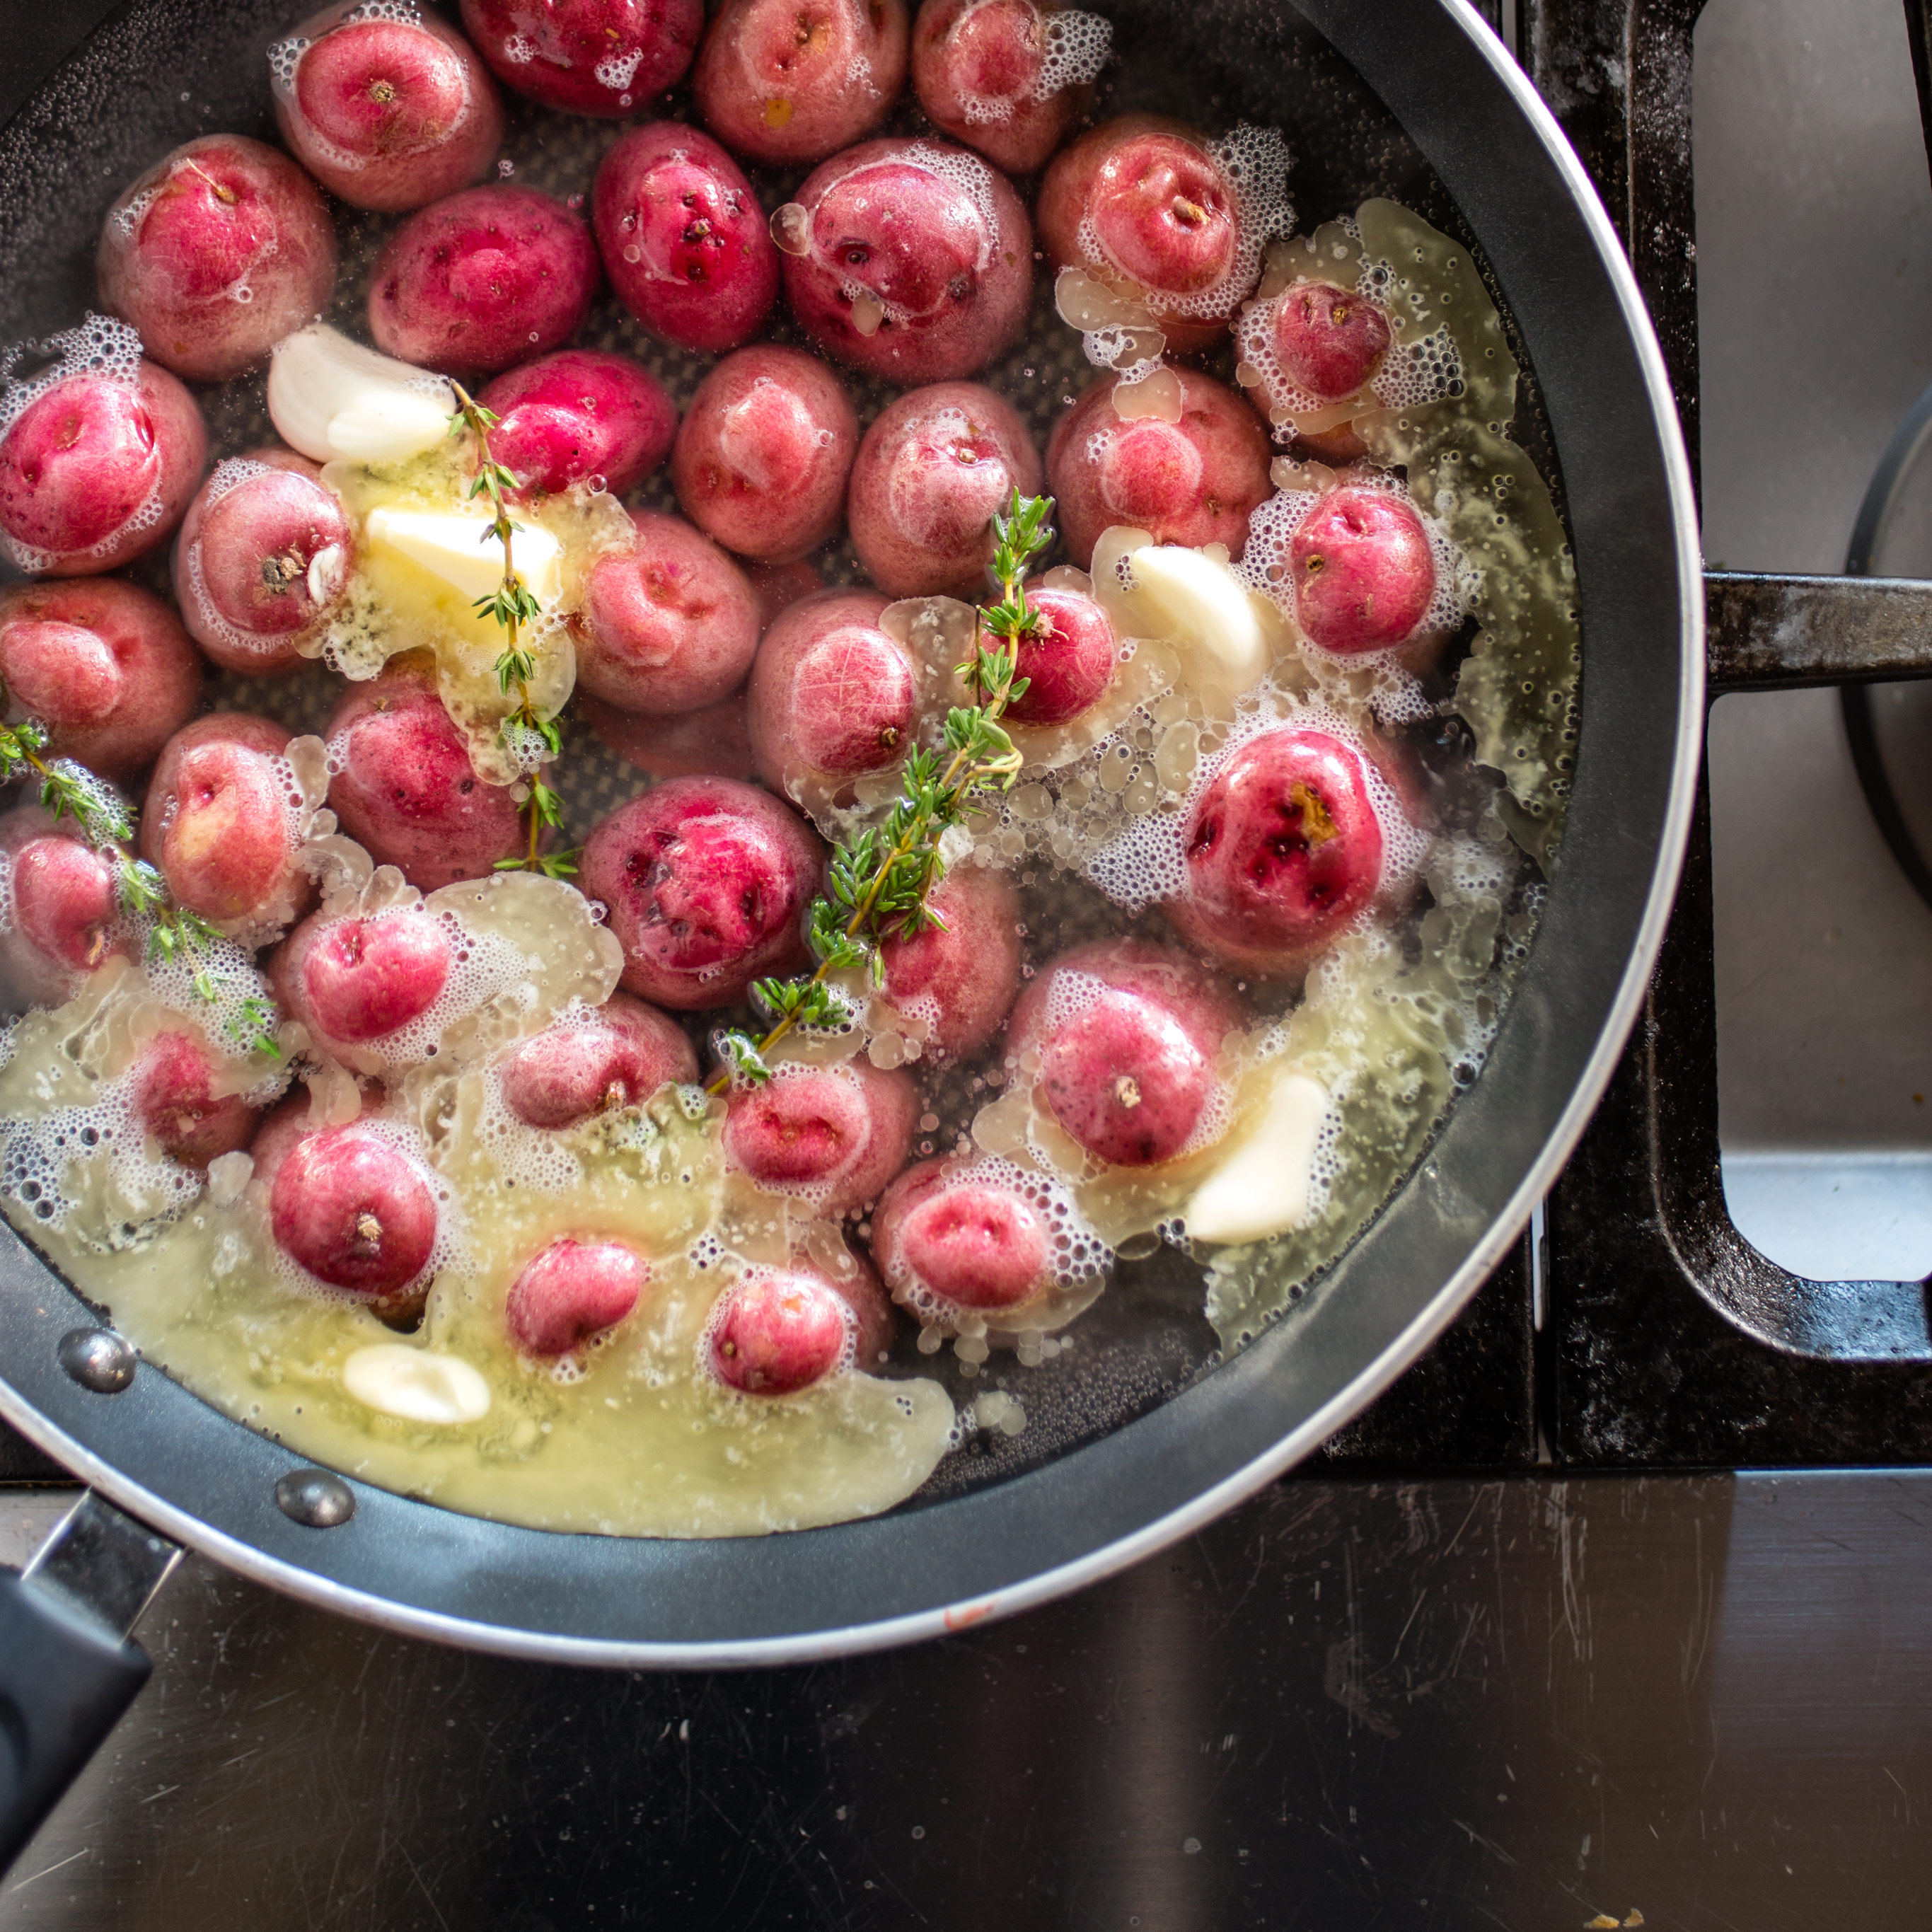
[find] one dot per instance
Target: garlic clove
(414, 1385)
(1262, 1187)
(1201, 605)
(332, 399)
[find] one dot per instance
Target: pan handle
(68, 1667)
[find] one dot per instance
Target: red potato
(836, 1135)
(577, 414)
(388, 113)
(175, 1102)
(599, 57)
(960, 977)
(941, 1232)
(1363, 570)
(403, 786)
(1068, 660)
(1127, 1035)
(1162, 213)
(63, 911)
(103, 665)
(351, 980)
(349, 1205)
(482, 280)
(219, 250)
(707, 881)
(935, 467)
(684, 240)
(1313, 338)
(714, 741)
(216, 824)
(263, 556)
(832, 695)
(1004, 76)
(617, 1056)
(789, 81)
(96, 470)
(763, 455)
(572, 1293)
(671, 626)
(1195, 481)
(911, 260)
(1285, 850)
(779, 1330)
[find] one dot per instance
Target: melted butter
(394, 602)
(1517, 689)
(632, 1439)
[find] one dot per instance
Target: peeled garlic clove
(1201, 605)
(332, 399)
(1262, 1188)
(414, 1385)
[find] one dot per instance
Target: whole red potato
(261, 562)
(388, 111)
(962, 975)
(1152, 204)
(219, 824)
(832, 695)
(671, 625)
(1195, 481)
(483, 279)
(707, 881)
(402, 784)
(96, 465)
(912, 260)
(935, 468)
(763, 455)
(599, 57)
(788, 82)
(1005, 76)
(103, 665)
(684, 240)
(219, 250)
(1127, 1035)
(580, 413)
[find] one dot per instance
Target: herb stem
(931, 800)
(513, 605)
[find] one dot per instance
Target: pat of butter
(462, 552)
(415, 1386)
(1201, 605)
(1262, 1186)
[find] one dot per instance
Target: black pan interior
(1127, 1428)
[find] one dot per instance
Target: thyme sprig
(530, 740)
(106, 822)
(177, 935)
(67, 790)
(881, 885)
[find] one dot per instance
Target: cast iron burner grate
(1656, 1336)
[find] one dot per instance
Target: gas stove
(1519, 1646)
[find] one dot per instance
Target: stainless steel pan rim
(251, 1538)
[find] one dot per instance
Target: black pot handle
(68, 1668)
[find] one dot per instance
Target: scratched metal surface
(1349, 1707)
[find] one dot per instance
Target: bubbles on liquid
(614, 70)
(1077, 47)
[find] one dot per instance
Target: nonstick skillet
(1144, 1441)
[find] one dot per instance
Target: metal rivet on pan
(315, 1497)
(97, 1359)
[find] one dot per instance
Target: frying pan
(1414, 98)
